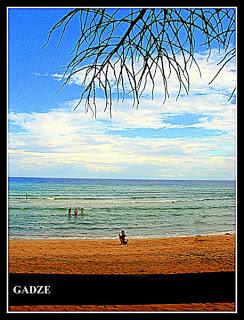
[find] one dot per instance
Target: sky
(193, 137)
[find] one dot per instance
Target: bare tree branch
(124, 50)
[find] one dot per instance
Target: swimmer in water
(69, 211)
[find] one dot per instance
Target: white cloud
(209, 66)
(38, 74)
(61, 137)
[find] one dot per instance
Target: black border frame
(4, 174)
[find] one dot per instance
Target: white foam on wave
(24, 237)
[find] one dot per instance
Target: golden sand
(192, 254)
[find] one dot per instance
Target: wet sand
(193, 254)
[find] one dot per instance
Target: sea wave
(167, 235)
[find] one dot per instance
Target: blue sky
(191, 138)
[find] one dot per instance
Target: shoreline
(233, 232)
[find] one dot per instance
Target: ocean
(38, 208)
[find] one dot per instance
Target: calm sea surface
(143, 208)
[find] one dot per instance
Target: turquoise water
(143, 208)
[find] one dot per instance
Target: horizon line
(144, 179)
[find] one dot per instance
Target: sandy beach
(194, 254)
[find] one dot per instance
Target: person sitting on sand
(122, 237)
(76, 211)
